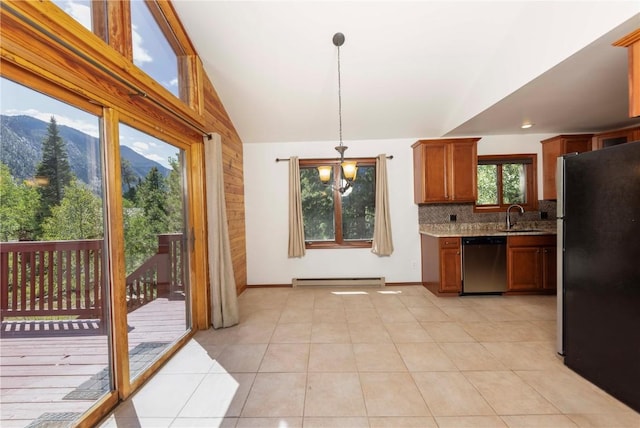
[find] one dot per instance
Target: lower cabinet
(442, 264)
(450, 265)
(531, 263)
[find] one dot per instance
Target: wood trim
(117, 266)
(634, 79)
(629, 39)
(118, 20)
(198, 221)
(632, 42)
(99, 19)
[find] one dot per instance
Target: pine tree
(53, 172)
(152, 197)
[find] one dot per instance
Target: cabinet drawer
(531, 240)
(449, 242)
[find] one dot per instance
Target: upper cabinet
(554, 147)
(632, 43)
(445, 170)
(613, 138)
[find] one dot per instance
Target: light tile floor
(390, 357)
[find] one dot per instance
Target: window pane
(55, 311)
(487, 185)
(317, 206)
(89, 13)
(155, 247)
(151, 49)
(514, 183)
(358, 206)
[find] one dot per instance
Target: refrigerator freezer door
(601, 269)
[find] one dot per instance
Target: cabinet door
(524, 268)
(435, 173)
(551, 149)
(463, 171)
(549, 268)
(550, 152)
(450, 270)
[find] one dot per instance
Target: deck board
(38, 369)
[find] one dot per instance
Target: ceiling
(421, 69)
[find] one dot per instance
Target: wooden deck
(60, 367)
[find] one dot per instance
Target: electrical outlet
(453, 218)
(544, 215)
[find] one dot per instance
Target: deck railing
(162, 275)
(65, 278)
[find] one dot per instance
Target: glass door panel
(55, 314)
(155, 246)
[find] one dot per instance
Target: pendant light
(348, 169)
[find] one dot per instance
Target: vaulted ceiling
(420, 69)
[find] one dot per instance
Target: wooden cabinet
(441, 264)
(531, 263)
(613, 138)
(557, 146)
(445, 170)
(632, 42)
(450, 265)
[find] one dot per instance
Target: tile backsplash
(440, 213)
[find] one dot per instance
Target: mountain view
(21, 149)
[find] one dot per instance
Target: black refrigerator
(599, 270)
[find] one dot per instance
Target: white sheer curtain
(296, 224)
(382, 239)
(224, 297)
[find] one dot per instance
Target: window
(506, 179)
(332, 219)
(153, 50)
(91, 14)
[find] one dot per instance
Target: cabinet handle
(458, 253)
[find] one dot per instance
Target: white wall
(266, 210)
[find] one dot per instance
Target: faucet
(508, 219)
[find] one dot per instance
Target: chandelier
(348, 169)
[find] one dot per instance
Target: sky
(16, 99)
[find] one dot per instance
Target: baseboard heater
(338, 282)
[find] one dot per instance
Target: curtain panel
(296, 224)
(382, 239)
(222, 284)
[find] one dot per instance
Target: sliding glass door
(55, 342)
(155, 246)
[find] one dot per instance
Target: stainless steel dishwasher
(484, 265)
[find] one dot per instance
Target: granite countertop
(488, 229)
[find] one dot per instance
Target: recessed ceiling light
(526, 125)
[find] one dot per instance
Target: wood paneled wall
(217, 119)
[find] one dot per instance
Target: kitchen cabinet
(531, 263)
(450, 265)
(613, 138)
(442, 264)
(632, 42)
(558, 146)
(445, 170)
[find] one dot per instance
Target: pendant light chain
(340, 102)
